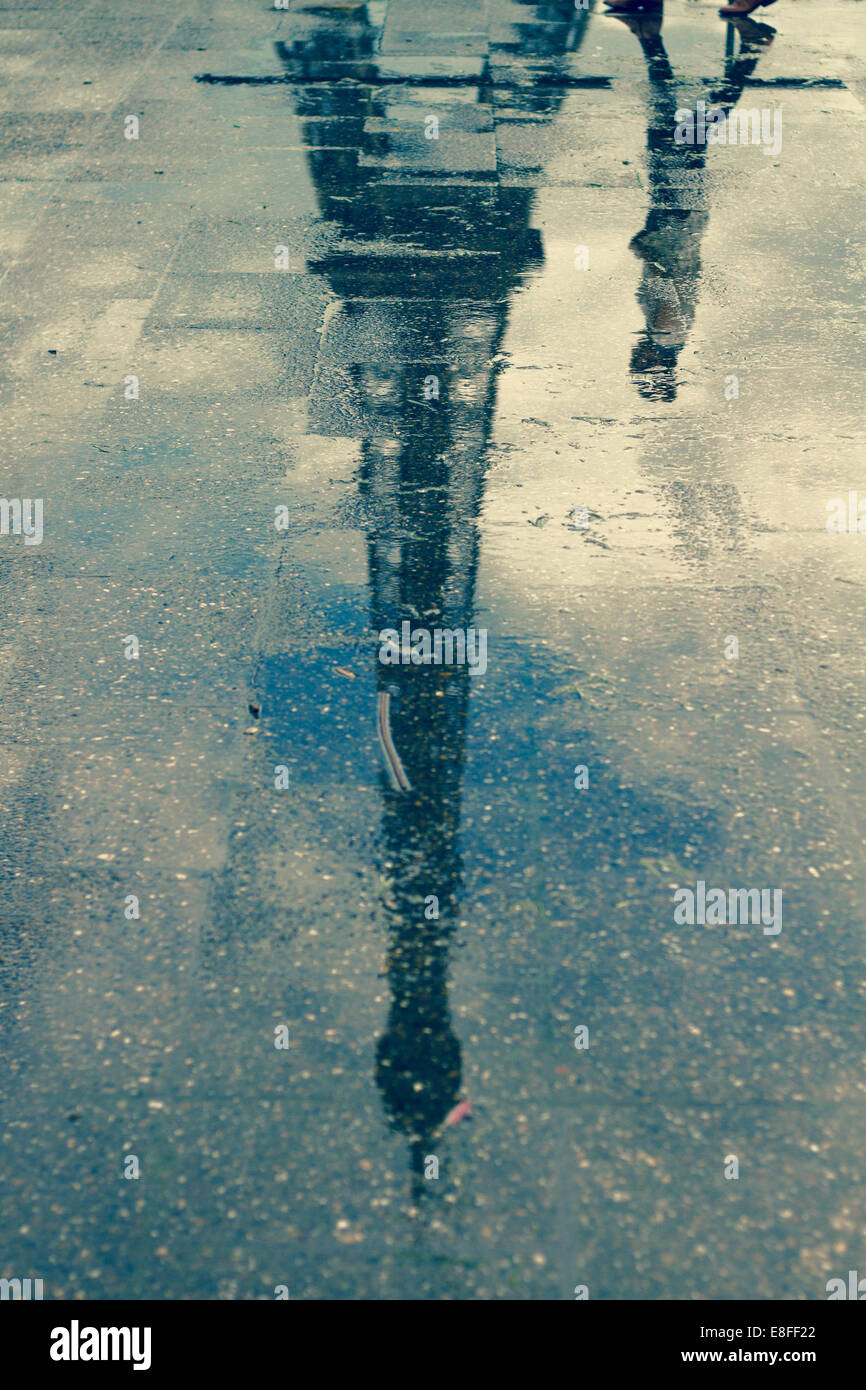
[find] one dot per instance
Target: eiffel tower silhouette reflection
(425, 265)
(426, 259)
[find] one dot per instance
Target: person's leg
(742, 7)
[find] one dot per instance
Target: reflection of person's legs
(642, 17)
(669, 243)
(643, 20)
(669, 247)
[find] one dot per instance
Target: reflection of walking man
(669, 244)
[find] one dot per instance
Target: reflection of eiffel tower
(425, 394)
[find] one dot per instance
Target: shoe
(632, 6)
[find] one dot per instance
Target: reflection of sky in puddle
(463, 514)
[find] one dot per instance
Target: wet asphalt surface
(528, 367)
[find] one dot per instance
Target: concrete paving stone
(412, 42)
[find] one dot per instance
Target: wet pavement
(407, 313)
